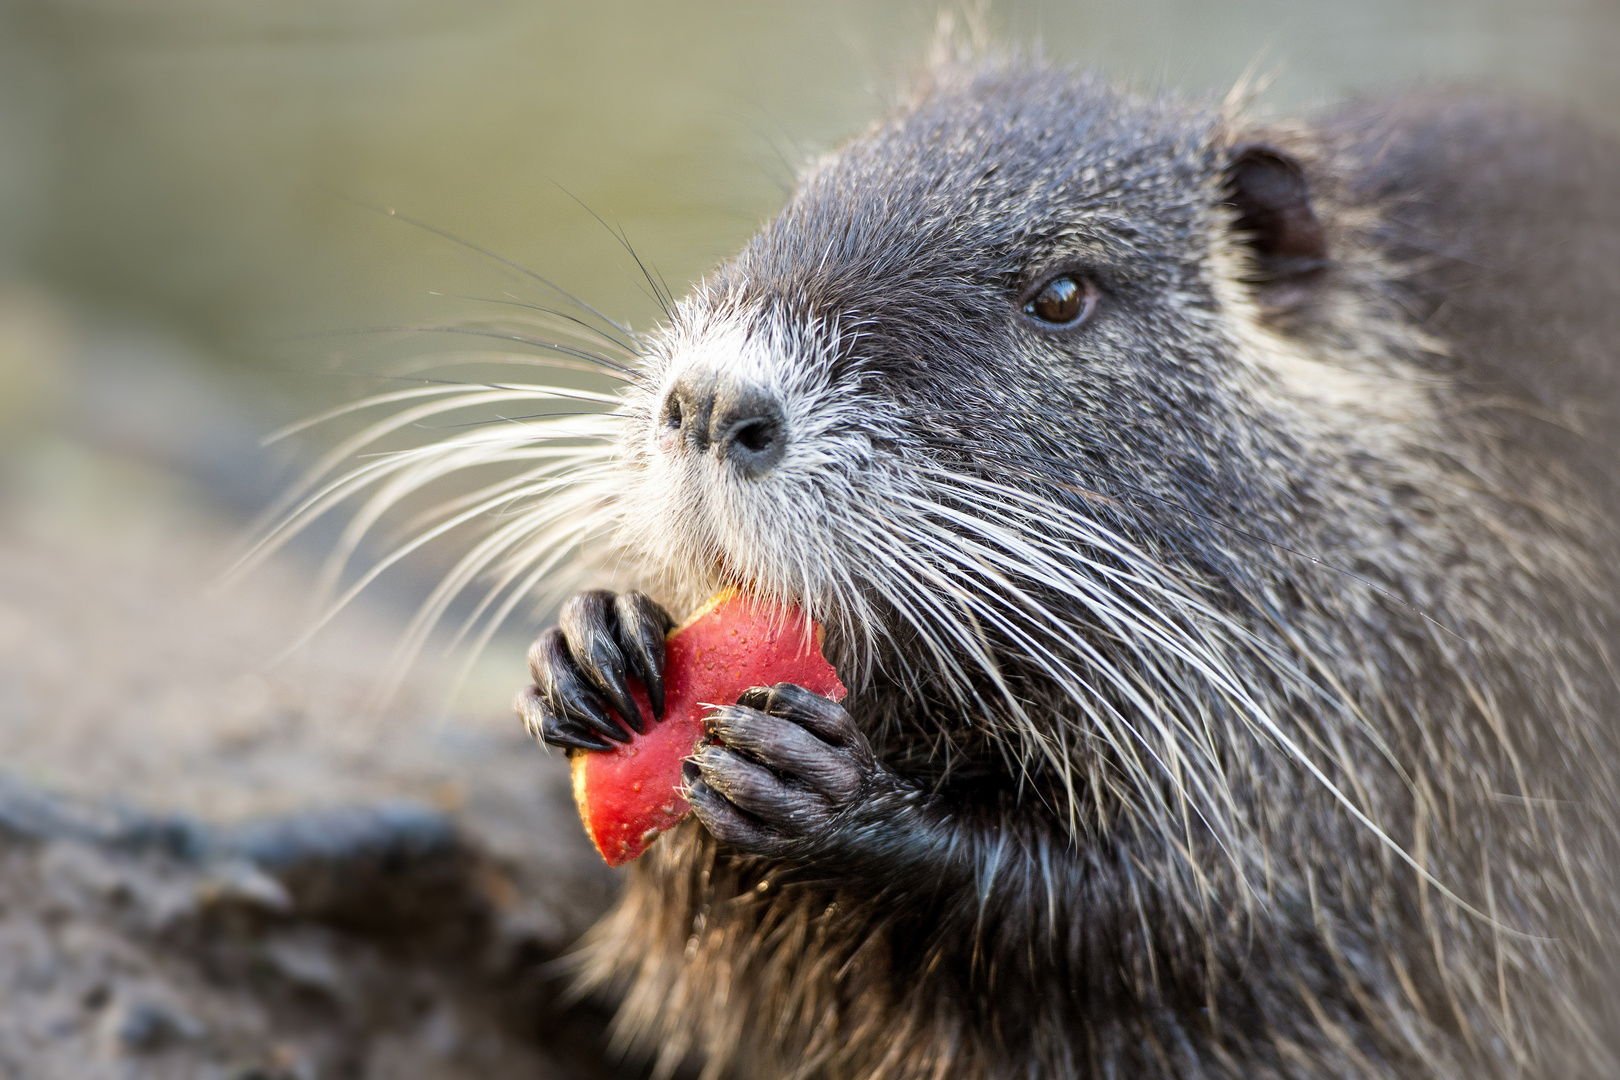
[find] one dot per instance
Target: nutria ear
(1267, 188)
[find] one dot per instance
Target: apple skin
(633, 792)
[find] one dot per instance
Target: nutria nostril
(673, 415)
(688, 410)
(755, 436)
(749, 432)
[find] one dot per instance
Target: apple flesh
(633, 792)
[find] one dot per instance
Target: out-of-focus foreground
(220, 861)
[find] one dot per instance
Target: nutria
(1214, 521)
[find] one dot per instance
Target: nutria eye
(1064, 301)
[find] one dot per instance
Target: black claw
(578, 703)
(566, 691)
(611, 680)
(822, 716)
(642, 628)
(571, 738)
(590, 625)
(544, 724)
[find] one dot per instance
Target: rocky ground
(217, 865)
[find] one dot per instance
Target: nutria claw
(581, 668)
(783, 766)
(544, 723)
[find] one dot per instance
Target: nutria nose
(741, 424)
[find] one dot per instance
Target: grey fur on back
(1506, 215)
(1349, 546)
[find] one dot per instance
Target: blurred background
(195, 251)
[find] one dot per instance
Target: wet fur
(1381, 505)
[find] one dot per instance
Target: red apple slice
(631, 793)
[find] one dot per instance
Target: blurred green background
(191, 254)
(189, 164)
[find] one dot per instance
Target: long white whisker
(1175, 637)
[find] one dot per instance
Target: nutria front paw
(581, 668)
(787, 770)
